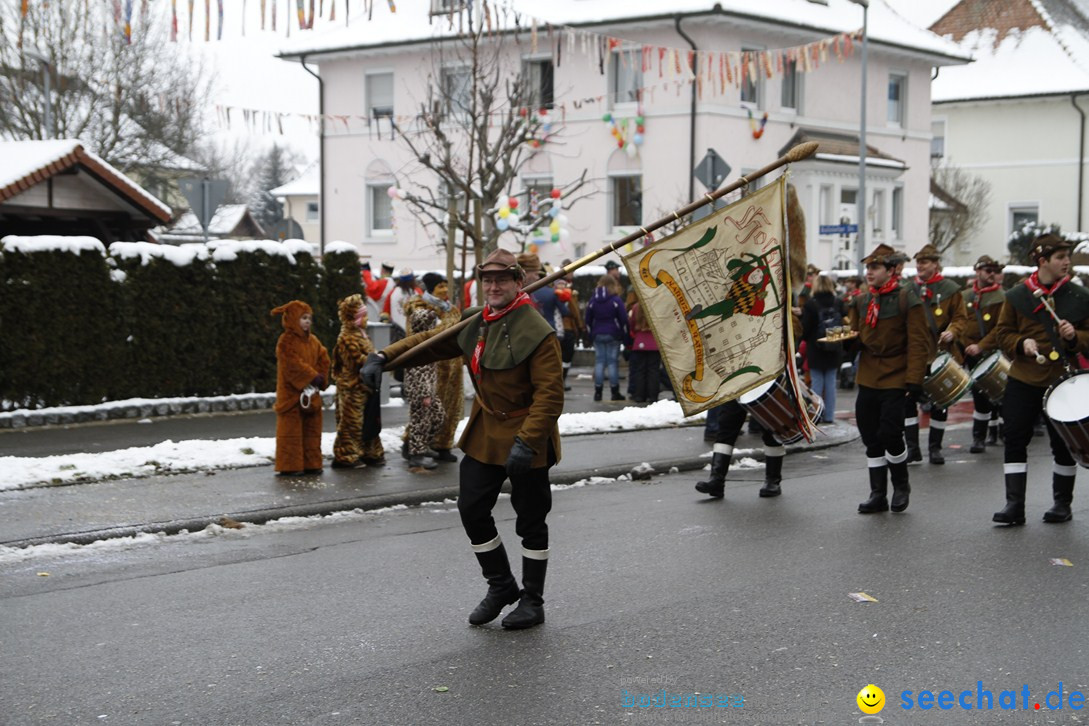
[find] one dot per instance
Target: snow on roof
(223, 222)
(51, 243)
(412, 22)
(309, 184)
(26, 163)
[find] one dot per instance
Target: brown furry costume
(421, 383)
(352, 348)
(300, 359)
(450, 388)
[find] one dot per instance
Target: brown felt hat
(1047, 244)
(986, 261)
(501, 261)
(530, 263)
(881, 255)
(929, 252)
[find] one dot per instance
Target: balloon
(532, 248)
(620, 143)
(555, 236)
(555, 193)
(554, 228)
(512, 220)
(504, 212)
(514, 202)
(557, 204)
(630, 150)
(502, 225)
(554, 212)
(637, 139)
(392, 192)
(639, 120)
(562, 219)
(565, 234)
(607, 118)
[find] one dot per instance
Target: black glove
(915, 392)
(371, 374)
(318, 382)
(520, 459)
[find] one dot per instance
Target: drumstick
(1047, 304)
(1041, 359)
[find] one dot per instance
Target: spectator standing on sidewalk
(646, 359)
(357, 414)
(302, 365)
(607, 320)
(425, 414)
(573, 329)
(823, 311)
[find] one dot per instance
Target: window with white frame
(937, 139)
(1021, 214)
(878, 212)
(379, 94)
(896, 221)
(791, 93)
(313, 212)
(538, 78)
(826, 212)
(379, 209)
(897, 99)
(441, 7)
(626, 192)
(457, 87)
(752, 87)
(625, 76)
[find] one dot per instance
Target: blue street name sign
(839, 228)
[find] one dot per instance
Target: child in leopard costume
(353, 448)
(425, 416)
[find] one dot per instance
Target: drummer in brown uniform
(983, 302)
(892, 337)
(946, 320)
(1041, 351)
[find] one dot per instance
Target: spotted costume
(449, 386)
(352, 348)
(424, 421)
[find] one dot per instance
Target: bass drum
(772, 405)
(1066, 403)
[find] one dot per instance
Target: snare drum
(989, 376)
(947, 382)
(1066, 403)
(771, 404)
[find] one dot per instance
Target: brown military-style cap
(501, 261)
(928, 252)
(985, 261)
(881, 255)
(530, 264)
(1047, 244)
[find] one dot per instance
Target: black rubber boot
(878, 501)
(979, 433)
(934, 447)
(617, 395)
(597, 393)
(1014, 511)
(992, 434)
(715, 486)
(502, 587)
(911, 438)
(530, 610)
(901, 489)
(445, 455)
(773, 477)
(565, 386)
(1062, 488)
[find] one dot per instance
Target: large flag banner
(716, 298)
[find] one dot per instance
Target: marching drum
(989, 376)
(1066, 403)
(947, 382)
(771, 405)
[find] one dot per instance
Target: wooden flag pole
(798, 153)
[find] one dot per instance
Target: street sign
(204, 196)
(838, 228)
(712, 170)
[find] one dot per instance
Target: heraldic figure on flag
(718, 301)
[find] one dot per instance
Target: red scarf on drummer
(927, 293)
(490, 316)
(874, 308)
(981, 291)
(1033, 283)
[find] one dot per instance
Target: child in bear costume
(301, 362)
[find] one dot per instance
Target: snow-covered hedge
(83, 323)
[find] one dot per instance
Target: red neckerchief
(1033, 283)
(927, 292)
(981, 291)
(491, 316)
(874, 308)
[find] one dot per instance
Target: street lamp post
(45, 64)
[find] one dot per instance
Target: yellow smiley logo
(871, 699)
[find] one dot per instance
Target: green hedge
(81, 327)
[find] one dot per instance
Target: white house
(1017, 115)
(628, 59)
(302, 203)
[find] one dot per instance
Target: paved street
(361, 619)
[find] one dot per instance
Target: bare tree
(964, 198)
(483, 119)
(137, 104)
